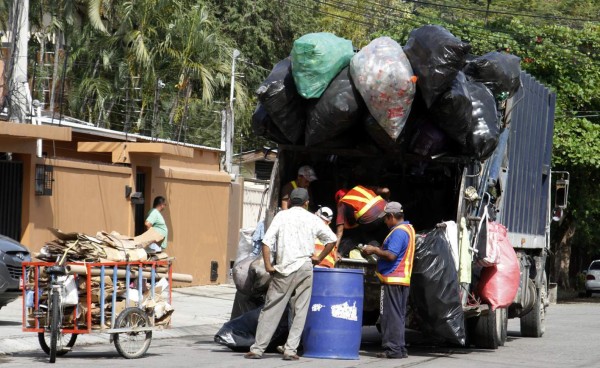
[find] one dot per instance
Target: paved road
(571, 340)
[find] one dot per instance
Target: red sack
(499, 283)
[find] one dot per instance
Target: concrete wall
(89, 196)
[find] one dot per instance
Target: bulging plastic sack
(263, 126)
(427, 139)
(316, 59)
(453, 110)
(282, 102)
(434, 288)
(499, 284)
(250, 277)
(436, 56)
(500, 72)
(484, 131)
(239, 333)
(340, 108)
(382, 74)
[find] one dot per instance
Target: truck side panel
(525, 210)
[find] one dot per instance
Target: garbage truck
(513, 186)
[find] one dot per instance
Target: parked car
(12, 255)
(592, 278)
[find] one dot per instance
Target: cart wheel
(132, 345)
(54, 325)
(64, 344)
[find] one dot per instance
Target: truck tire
(533, 323)
(501, 325)
(483, 331)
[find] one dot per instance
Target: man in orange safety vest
(394, 268)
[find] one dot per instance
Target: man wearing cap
(325, 214)
(294, 231)
(394, 268)
(306, 175)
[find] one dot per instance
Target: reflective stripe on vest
(401, 275)
(361, 199)
(329, 260)
(294, 185)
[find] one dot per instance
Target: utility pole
(227, 130)
(159, 86)
(19, 96)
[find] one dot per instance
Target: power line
(520, 14)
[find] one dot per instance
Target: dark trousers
(393, 313)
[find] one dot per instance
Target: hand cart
(127, 300)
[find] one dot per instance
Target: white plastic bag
(71, 296)
(245, 246)
(382, 74)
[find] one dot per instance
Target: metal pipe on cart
(82, 270)
(114, 297)
(102, 296)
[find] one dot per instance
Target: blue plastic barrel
(334, 322)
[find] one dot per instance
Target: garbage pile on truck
(428, 98)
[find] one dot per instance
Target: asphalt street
(571, 340)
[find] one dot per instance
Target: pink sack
(499, 283)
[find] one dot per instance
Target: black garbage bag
(436, 56)
(281, 100)
(239, 333)
(263, 126)
(453, 110)
(338, 110)
(427, 139)
(434, 289)
(500, 72)
(484, 131)
(382, 139)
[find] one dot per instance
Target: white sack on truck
(382, 74)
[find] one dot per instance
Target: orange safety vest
(329, 260)
(361, 200)
(401, 275)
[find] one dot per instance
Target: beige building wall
(89, 195)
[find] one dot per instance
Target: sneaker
(290, 357)
(280, 349)
(251, 355)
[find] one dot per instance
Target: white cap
(308, 173)
(325, 213)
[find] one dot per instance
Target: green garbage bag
(316, 59)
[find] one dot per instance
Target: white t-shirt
(294, 231)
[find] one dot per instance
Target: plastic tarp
(498, 71)
(316, 59)
(282, 102)
(499, 284)
(239, 333)
(436, 56)
(340, 108)
(434, 288)
(382, 74)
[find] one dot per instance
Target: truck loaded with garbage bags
(462, 141)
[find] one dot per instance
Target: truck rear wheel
(501, 325)
(533, 323)
(483, 331)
